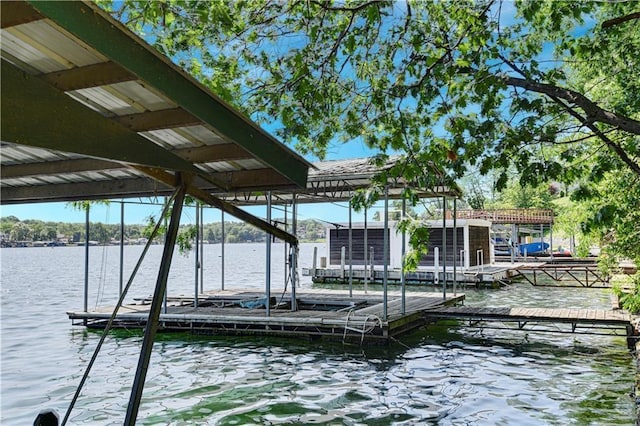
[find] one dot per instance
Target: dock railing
(509, 216)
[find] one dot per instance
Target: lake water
(440, 375)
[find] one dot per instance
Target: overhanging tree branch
(620, 20)
(594, 112)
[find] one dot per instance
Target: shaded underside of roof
(88, 108)
(90, 111)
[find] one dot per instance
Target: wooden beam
(94, 190)
(214, 153)
(88, 76)
(56, 167)
(98, 29)
(154, 120)
(17, 12)
(204, 154)
(26, 118)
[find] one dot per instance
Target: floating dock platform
(479, 275)
(328, 314)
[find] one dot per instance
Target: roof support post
(350, 253)
(197, 257)
(385, 256)
(222, 250)
(156, 304)
(455, 244)
(86, 260)
(294, 253)
(121, 246)
(366, 251)
(444, 247)
(402, 255)
(267, 303)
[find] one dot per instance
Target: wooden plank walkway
(581, 321)
(322, 313)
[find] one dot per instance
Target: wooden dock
(578, 321)
(475, 275)
(330, 314)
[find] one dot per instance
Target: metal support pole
(154, 312)
(197, 258)
(385, 255)
(121, 247)
(403, 251)
(455, 244)
(202, 248)
(444, 247)
(286, 252)
(86, 260)
(366, 260)
(350, 254)
(294, 254)
(222, 251)
(267, 303)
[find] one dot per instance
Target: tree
(548, 89)
(20, 231)
(456, 82)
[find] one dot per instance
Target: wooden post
(314, 263)
(436, 266)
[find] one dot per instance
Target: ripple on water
(445, 375)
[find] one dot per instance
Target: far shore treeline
(29, 231)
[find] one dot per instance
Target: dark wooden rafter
(162, 119)
(18, 13)
(25, 96)
(94, 190)
(112, 40)
(205, 154)
(88, 76)
(56, 167)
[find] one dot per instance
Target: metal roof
(91, 111)
(337, 180)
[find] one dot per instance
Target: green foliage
(236, 232)
(629, 299)
(540, 88)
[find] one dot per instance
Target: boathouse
(469, 255)
(91, 112)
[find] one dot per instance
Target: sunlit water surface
(445, 375)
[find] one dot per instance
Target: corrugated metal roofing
(78, 50)
(44, 42)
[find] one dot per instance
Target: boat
(533, 249)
